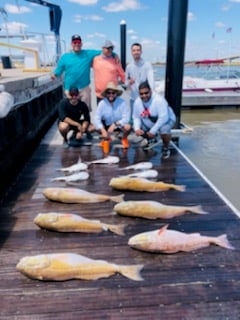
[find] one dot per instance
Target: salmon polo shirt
(106, 69)
(76, 68)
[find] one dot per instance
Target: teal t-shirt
(76, 68)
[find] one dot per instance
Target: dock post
(123, 43)
(177, 20)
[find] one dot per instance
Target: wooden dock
(204, 284)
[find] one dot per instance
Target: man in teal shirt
(76, 66)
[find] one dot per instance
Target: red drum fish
(66, 266)
(153, 209)
(141, 184)
(74, 195)
(171, 241)
(67, 222)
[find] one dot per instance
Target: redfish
(141, 184)
(171, 241)
(67, 222)
(74, 195)
(153, 209)
(66, 266)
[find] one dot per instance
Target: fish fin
(179, 188)
(162, 229)
(132, 272)
(197, 209)
(118, 229)
(118, 198)
(222, 241)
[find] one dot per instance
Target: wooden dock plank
(204, 284)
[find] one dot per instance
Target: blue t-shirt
(76, 68)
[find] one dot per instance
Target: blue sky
(146, 22)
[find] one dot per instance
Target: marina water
(213, 146)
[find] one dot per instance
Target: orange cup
(106, 146)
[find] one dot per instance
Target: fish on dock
(82, 175)
(75, 195)
(79, 166)
(66, 266)
(141, 184)
(171, 241)
(154, 210)
(107, 160)
(145, 165)
(68, 222)
(147, 174)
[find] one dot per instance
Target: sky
(213, 26)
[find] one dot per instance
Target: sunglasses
(76, 42)
(145, 93)
(74, 95)
(111, 92)
(109, 48)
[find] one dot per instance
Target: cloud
(150, 43)
(131, 31)
(123, 5)
(84, 2)
(220, 24)
(96, 34)
(191, 16)
(16, 9)
(78, 18)
(225, 8)
(14, 27)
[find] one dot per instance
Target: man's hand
(53, 77)
(150, 135)
(139, 132)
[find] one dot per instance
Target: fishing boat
(214, 79)
(216, 85)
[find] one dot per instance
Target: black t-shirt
(76, 113)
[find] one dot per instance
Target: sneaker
(89, 136)
(152, 143)
(76, 142)
(65, 143)
(125, 143)
(165, 153)
(139, 141)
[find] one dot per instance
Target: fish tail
(197, 209)
(132, 272)
(118, 229)
(119, 198)
(222, 241)
(179, 188)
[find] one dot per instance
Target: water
(214, 147)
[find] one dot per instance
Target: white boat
(214, 80)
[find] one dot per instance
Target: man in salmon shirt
(107, 68)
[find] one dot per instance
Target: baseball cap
(76, 37)
(108, 44)
(73, 92)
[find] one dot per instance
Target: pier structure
(33, 111)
